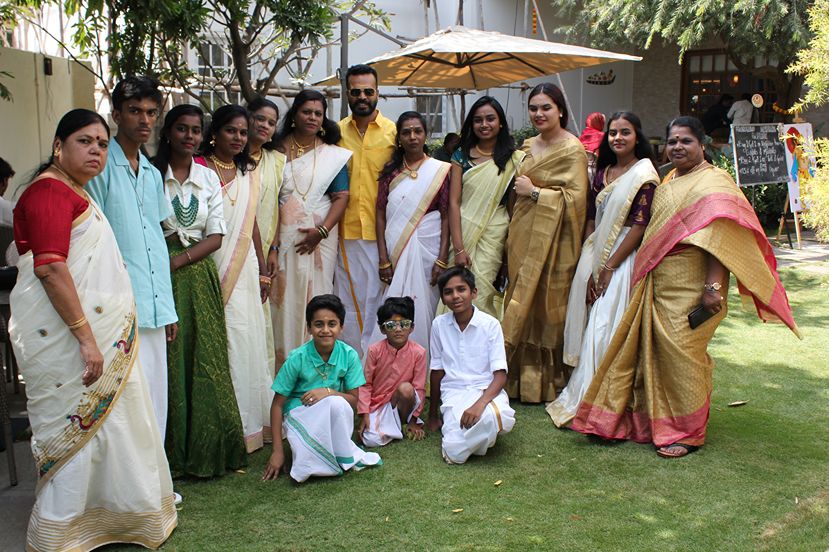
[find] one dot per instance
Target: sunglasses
(355, 92)
(390, 325)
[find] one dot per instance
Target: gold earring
(212, 141)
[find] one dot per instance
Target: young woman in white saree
(618, 212)
(312, 200)
(413, 224)
(242, 271)
(103, 476)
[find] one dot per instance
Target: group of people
(158, 315)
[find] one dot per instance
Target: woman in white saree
(103, 476)
(618, 213)
(312, 200)
(240, 261)
(412, 224)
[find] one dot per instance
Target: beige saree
(269, 173)
(654, 383)
(543, 249)
(103, 476)
(484, 224)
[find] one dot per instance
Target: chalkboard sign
(759, 154)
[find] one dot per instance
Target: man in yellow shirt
(371, 138)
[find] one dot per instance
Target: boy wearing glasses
(395, 371)
(468, 372)
(371, 138)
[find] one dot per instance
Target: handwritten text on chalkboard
(759, 154)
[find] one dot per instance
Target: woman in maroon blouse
(103, 474)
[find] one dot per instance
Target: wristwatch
(534, 194)
(716, 286)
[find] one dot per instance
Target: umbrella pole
(343, 65)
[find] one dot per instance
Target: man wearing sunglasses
(371, 139)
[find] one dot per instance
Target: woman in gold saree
(543, 247)
(270, 164)
(103, 476)
(654, 383)
(483, 167)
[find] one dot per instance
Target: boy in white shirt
(468, 372)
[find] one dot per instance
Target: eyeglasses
(390, 325)
(355, 92)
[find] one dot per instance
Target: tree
(130, 37)
(775, 29)
(813, 64)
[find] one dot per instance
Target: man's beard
(362, 108)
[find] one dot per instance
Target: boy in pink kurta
(395, 371)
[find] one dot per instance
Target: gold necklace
(300, 148)
(483, 153)
(622, 170)
(73, 184)
(696, 168)
(224, 184)
(221, 164)
(256, 156)
(304, 194)
(412, 172)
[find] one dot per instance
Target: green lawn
(760, 483)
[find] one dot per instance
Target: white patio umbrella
(462, 58)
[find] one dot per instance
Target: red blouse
(440, 203)
(43, 219)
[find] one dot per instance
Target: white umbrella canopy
(463, 58)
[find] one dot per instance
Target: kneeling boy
(395, 373)
(468, 372)
(316, 392)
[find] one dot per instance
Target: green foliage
(813, 64)
(812, 61)
(521, 134)
(747, 28)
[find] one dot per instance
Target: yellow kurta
(543, 249)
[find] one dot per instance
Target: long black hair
(221, 117)
(68, 125)
(555, 94)
(642, 149)
(396, 160)
(504, 143)
(329, 133)
(255, 105)
(162, 156)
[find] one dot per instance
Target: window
(213, 62)
(707, 74)
(431, 107)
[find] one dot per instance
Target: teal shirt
(135, 205)
(303, 371)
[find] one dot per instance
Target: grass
(760, 483)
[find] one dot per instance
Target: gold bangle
(604, 266)
(189, 258)
(265, 280)
(459, 252)
(385, 265)
(441, 264)
(329, 390)
(323, 231)
(77, 325)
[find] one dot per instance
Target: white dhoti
(458, 443)
(357, 284)
(320, 439)
(385, 425)
(152, 355)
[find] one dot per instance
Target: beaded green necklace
(186, 215)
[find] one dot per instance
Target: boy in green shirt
(316, 394)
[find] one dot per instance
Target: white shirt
(740, 113)
(467, 357)
(203, 185)
(6, 213)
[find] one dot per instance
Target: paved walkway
(16, 502)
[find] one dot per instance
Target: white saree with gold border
(103, 475)
(244, 317)
(589, 329)
(304, 203)
(413, 242)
